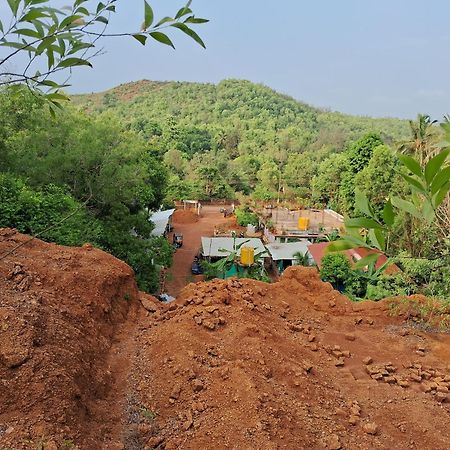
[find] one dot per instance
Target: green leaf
(148, 16)
(340, 245)
(79, 46)
(82, 10)
(434, 164)
(428, 211)
(69, 20)
(406, 206)
(388, 214)
(102, 20)
(161, 37)
(193, 19)
(18, 46)
(163, 21)
(14, 6)
(191, 33)
(411, 164)
(362, 222)
(182, 12)
(100, 7)
(33, 15)
(362, 203)
(71, 62)
(440, 195)
(368, 260)
(413, 183)
(27, 32)
(442, 177)
(377, 239)
(50, 58)
(1, 27)
(56, 96)
(141, 38)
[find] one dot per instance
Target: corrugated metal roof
(160, 219)
(285, 251)
(211, 246)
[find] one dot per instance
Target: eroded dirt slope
(64, 325)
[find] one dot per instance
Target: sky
(384, 58)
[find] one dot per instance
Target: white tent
(161, 219)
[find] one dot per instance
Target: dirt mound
(234, 364)
(185, 216)
(240, 364)
(60, 311)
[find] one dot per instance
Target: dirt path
(180, 274)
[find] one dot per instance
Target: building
(212, 247)
(285, 254)
(162, 221)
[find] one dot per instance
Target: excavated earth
(88, 362)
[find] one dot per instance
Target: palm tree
(301, 259)
(422, 142)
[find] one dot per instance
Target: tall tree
(422, 144)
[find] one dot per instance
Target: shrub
(244, 217)
(335, 269)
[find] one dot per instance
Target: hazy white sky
(380, 58)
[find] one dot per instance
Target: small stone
(148, 305)
(370, 321)
(198, 320)
(155, 441)
(209, 324)
(367, 360)
(334, 442)
(350, 337)
(189, 421)
(197, 385)
(332, 303)
(311, 338)
(370, 428)
(441, 397)
(353, 420)
(176, 391)
(340, 362)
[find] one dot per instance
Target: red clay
(231, 364)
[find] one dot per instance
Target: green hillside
(237, 136)
(255, 110)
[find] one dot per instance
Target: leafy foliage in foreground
(55, 40)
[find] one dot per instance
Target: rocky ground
(88, 362)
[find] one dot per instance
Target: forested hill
(259, 115)
(238, 137)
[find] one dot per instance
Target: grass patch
(430, 313)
